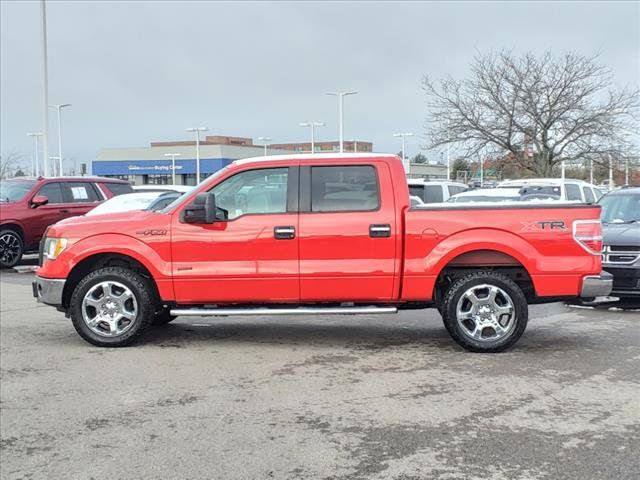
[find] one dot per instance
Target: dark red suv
(29, 205)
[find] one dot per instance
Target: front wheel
(112, 307)
(485, 311)
(11, 248)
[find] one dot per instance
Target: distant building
(320, 147)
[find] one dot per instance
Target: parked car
(131, 202)
(621, 253)
(298, 234)
(492, 195)
(434, 191)
(567, 190)
(163, 188)
(29, 205)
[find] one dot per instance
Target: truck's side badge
(160, 231)
(543, 225)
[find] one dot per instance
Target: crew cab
(29, 205)
(319, 234)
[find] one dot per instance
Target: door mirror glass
(202, 209)
(39, 200)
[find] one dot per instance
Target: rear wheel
(112, 307)
(485, 311)
(11, 248)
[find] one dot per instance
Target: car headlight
(54, 247)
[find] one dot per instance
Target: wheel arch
(16, 227)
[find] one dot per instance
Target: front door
(348, 233)
(250, 257)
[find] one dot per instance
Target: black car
(621, 253)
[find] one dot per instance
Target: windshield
(13, 191)
(620, 208)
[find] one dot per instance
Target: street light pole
(173, 165)
(313, 126)
(36, 135)
(355, 145)
(265, 141)
(59, 108)
(45, 90)
(197, 130)
(341, 96)
(402, 136)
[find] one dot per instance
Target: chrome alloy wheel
(109, 308)
(9, 248)
(485, 313)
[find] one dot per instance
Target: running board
(224, 312)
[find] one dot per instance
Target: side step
(218, 312)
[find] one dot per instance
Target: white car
(435, 191)
(127, 202)
(487, 195)
(163, 188)
(567, 190)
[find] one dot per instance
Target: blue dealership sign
(157, 167)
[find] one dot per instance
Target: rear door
(347, 230)
(80, 197)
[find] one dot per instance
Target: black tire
(457, 289)
(144, 296)
(162, 318)
(11, 248)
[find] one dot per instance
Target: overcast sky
(139, 72)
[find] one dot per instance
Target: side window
(344, 188)
(588, 195)
(573, 192)
(253, 191)
(81, 192)
(597, 193)
(433, 194)
(53, 192)
(417, 190)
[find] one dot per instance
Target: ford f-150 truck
(317, 234)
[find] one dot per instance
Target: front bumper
(626, 280)
(597, 285)
(48, 290)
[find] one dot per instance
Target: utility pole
(341, 96)
(173, 165)
(45, 89)
(404, 163)
(37, 136)
(265, 141)
(197, 130)
(59, 108)
(313, 126)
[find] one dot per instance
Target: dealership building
(153, 164)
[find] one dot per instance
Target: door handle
(64, 210)
(380, 231)
(284, 233)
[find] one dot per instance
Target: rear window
(573, 192)
(118, 188)
(433, 194)
(344, 188)
(588, 195)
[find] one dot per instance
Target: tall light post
(403, 136)
(341, 96)
(37, 136)
(355, 144)
(45, 90)
(265, 141)
(173, 156)
(59, 108)
(313, 126)
(197, 130)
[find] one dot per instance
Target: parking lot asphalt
(327, 397)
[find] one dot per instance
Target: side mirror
(38, 201)
(201, 210)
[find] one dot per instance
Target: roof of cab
(308, 157)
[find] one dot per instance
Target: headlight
(54, 247)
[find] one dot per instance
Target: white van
(434, 191)
(567, 190)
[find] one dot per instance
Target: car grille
(620, 254)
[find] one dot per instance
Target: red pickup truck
(316, 234)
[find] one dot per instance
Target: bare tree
(9, 164)
(533, 111)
